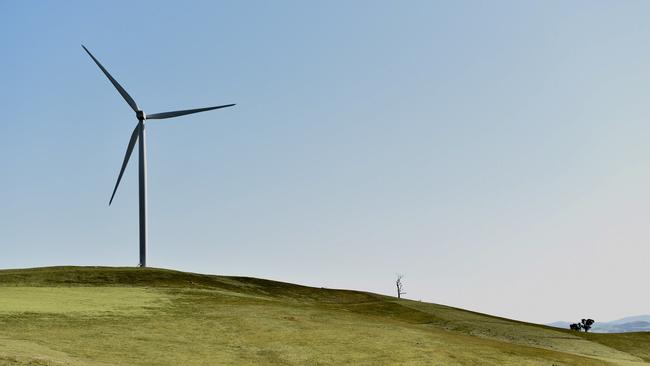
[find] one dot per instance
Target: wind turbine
(139, 135)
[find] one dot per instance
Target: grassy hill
(129, 316)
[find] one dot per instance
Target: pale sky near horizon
(495, 153)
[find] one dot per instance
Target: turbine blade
(117, 85)
(129, 149)
(184, 112)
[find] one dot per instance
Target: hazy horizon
(496, 154)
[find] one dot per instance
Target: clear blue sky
(496, 153)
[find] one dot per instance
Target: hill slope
(129, 316)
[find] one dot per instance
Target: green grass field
(129, 316)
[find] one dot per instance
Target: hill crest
(244, 320)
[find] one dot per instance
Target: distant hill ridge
(637, 323)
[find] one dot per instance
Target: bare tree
(400, 286)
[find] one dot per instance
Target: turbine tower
(139, 135)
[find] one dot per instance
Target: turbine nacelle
(141, 115)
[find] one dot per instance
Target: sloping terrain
(129, 316)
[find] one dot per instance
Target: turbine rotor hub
(141, 115)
